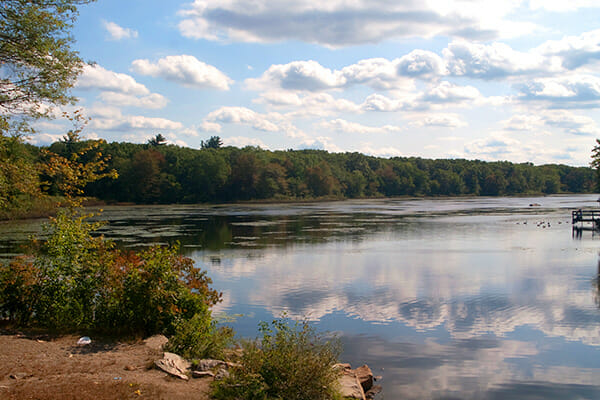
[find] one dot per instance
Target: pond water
(470, 298)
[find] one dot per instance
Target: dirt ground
(42, 367)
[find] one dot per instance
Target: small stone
(202, 374)
(20, 375)
(373, 391)
(221, 374)
(341, 366)
(130, 368)
(174, 365)
(365, 377)
(350, 387)
(156, 342)
(208, 364)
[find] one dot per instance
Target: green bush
(200, 337)
(77, 281)
(290, 362)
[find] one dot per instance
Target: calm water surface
(483, 298)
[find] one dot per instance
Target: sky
(515, 80)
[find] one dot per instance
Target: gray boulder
(174, 365)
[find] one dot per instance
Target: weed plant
(291, 361)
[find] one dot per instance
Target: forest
(157, 172)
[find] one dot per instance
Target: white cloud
(343, 23)
(320, 143)
(493, 147)
(523, 122)
(421, 63)
(561, 5)
(97, 77)
(241, 141)
(566, 121)
(210, 127)
(378, 102)
(578, 91)
(377, 73)
(500, 146)
(118, 89)
(387, 151)
(241, 115)
(440, 120)
(152, 101)
(111, 119)
(184, 69)
(440, 95)
(447, 92)
(340, 125)
(495, 61)
(117, 32)
(307, 104)
(574, 51)
(572, 123)
(297, 75)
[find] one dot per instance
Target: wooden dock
(586, 216)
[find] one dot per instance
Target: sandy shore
(44, 367)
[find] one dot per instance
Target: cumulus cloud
(440, 95)
(494, 61)
(387, 151)
(565, 121)
(523, 122)
(378, 73)
(153, 100)
(111, 119)
(298, 75)
(379, 102)
(561, 6)
(447, 92)
(117, 32)
(574, 51)
(307, 104)
(118, 89)
(500, 146)
(496, 147)
(343, 23)
(241, 141)
(319, 143)
(241, 115)
(571, 123)
(97, 77)
(421, 63)
(440, 120)
(184, 69)
(341, 125)
(579, 91)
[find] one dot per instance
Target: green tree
(320, 180)
(596, 161)
(39, 65)
(213, 143)
(158, 140)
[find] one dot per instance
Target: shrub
(152, 290)
(200, 337)
(290, 362)
(57, 286)
(77, 281)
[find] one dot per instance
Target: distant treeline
(160, 173)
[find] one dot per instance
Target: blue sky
(515, 80)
